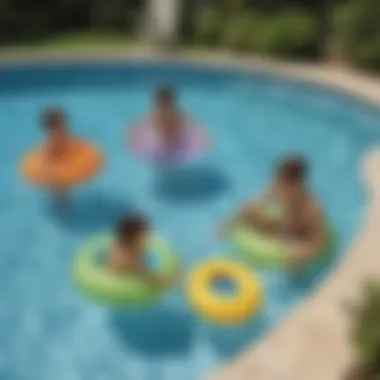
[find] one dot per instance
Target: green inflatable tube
(261, 250)
(127, 290)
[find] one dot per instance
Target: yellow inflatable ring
(218, 307)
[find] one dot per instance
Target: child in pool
(57, 146)
(288, 211)
(127, 254)
(167, 120)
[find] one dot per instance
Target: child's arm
(48, 164)
(198, 129)
(47, 151)
(132, 133)
(251, 211)
(150, 276)
(314, 222)
(192, 123)
(112, 264)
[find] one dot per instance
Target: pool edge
(355, 84)
(312, 343)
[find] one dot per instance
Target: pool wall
(311, 344)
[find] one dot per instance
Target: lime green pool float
(262, 250)
(126, 290)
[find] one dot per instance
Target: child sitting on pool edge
(127, 253)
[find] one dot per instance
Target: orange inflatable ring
(80, 163)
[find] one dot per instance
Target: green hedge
(357, 28)
(240, 31)
(209, 22)
(366, 335)
(291, 33)
(31, 21)
(24, 26)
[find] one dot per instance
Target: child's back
(58, 139)
(127, 255)
(167, 119)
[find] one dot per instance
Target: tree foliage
(26, 20)
(357, 27)
(366, 333)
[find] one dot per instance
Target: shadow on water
(93, 211)
(307, 280)
(9, 374)
(154, 332)
(230, 341)
(190, 183)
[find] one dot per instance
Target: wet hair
(165, 94)
(130, 227)
(52, 116)
(293, 169)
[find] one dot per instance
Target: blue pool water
(50, 331)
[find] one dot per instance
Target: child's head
(54, 122)
(292, 172)
(165, 97)
(132, 231)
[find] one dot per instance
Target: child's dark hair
(165, 94)
(128, 228)
(52, 117)
(293, 169)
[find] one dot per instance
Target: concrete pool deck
(312, 343)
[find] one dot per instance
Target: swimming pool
(47, 329)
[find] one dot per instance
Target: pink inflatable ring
(147, 144)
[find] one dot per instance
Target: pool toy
(82, 162)
(125, 290)
(265, 251)
(147, 144)
(225, 309)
